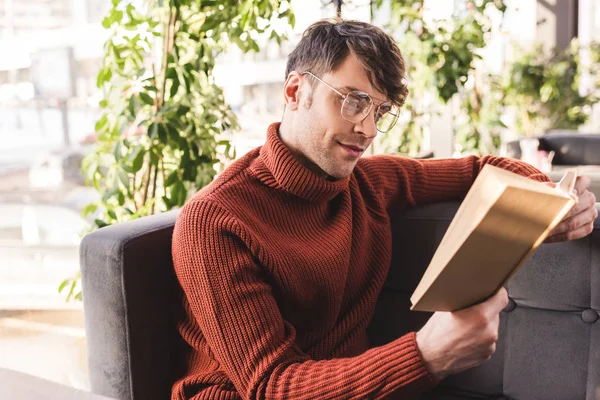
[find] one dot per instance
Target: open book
(500, 223)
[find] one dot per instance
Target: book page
(567, 182)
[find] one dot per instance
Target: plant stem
(134, 191)
(164, 177)
(168, 43)
(154, 189)
(146, 180)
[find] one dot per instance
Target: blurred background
(104, 117)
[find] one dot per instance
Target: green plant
(440, 57)
(543, 88)
(160, 137)
(477, 127)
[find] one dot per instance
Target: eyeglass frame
(345, 96)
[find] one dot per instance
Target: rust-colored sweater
(281, 271)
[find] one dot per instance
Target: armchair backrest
(129, 299)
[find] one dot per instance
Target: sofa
(548, 348)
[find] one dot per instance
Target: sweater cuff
(430, 377)
(411, 371)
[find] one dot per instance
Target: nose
(367, 127)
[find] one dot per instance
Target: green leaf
(173, 131)
(138, 161)
(167, 202)
(108, 195)
(71, 289)
(104, 76)
(253, 46)
(182, 110)
(121, 198)
(90, 208)
(171, 179)
(498, 123)
(174, 88)
(187, 80)
(128, 169)
(181, 193)
(171, 73)
(153, 131)
(154, 159)
(118, 16)
(111, 214)
(117, 151)
(107, 22)
(101, 124)
(100, 223)
(124, 179)
(146, 98)
(63, 285)
(133, 106)
(162, 133)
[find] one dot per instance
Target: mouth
(355, 151)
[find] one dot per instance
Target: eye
(354, 104)
(382, 110)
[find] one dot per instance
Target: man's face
(320, 136)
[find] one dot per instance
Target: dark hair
(326, 44)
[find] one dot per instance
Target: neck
(286, 137)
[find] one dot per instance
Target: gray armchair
(549, 346)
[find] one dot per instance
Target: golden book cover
(499, 224)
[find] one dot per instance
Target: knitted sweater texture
(281, 271)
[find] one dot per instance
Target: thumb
(497, 302)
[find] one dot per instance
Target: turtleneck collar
(285, 171)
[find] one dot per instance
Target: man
(282, 258)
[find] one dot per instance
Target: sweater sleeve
(239, 317)
(406, 182)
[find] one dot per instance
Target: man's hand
(579, 222)
(453, 342)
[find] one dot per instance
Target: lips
(355, 151)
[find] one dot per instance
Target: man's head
(332, 60)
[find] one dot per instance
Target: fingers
(582, 183)
(587, 199)
(571, 235)
(584, 219)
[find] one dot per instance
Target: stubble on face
(317, 137)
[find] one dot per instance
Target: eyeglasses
(357, 106)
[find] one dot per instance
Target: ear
(291, 90)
